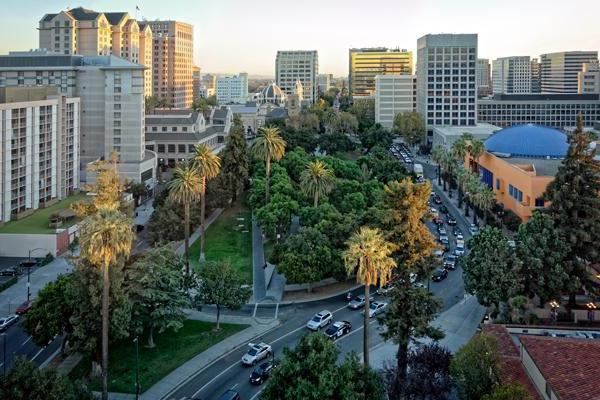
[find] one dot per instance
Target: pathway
(211, 218)
(258, 263)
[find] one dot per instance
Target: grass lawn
(171, 351)
(350, 155)
(228, 238)
(38, 221)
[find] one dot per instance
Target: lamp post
(137, 374)
(591, 309)
(29, 272)
(4, 354)
(553, 309)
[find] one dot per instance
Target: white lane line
(38, 353)
(301, 327)
(234, 386)
(215, 378)
(25, 342)
(256, 395)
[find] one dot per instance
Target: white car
(376, 308)
(6, 322)
(473, 229)
(358, 302)
(257, 352)
(320, 320)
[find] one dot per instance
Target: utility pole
(137, 374)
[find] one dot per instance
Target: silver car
(358, 302)
(6, 322)
(257, 352)
(320, 320)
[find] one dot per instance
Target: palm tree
(477, 149)
(459, 148)
(371, 253)
(461, 178)
(483, 200)
(268, 146)
(105, 237)
(437, 154)
(317, 180)
(185, 188)
(208, 165)
(470, 187)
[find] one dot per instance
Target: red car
(23, 308)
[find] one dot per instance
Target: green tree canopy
(235, 159)
(410, 126)
(376, 135)
(513, 391)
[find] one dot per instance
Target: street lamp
(4, 354)
(137, 373)
(553, 309)
(591, 308)
(29, 272)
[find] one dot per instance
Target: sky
(232, 36)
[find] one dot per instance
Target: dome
(272, 92)
(533, 141)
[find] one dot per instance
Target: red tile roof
(570, 366)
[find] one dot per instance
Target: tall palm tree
(476, 150)
(208, 165)
(437, 154)
(371, 253)
(317, 180)
(185, 188)
(268, 146)
(483, 200)
(470, 187)
(459, 148)
(105, 237)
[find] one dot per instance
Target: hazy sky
(244, 35)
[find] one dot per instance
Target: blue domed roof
(530, 140)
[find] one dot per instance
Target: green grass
(171, 351)
(39, 221)
(8, 283)
(227, 240)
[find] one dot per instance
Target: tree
(376, 135)
(344, 123)
(151, 102)
(335, 142)
(483, 199)
(185, 188)
(513, 391)
(137, 190)
(207, 165)
(25, 381)
(234, 159)
(369, 255)
(476, 367)
(491, 269)
(364, 110)
(410, 126)
(268, 146)
(220, 284)
(157, 292)
(310, 371)
(438, 155)
(316, 180)
(472, 147)
(275, 217)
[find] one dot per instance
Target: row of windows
(515, 193)
(165, 129)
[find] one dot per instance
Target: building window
(539, 202)
(497, 184)
(161, 148)
(150, 147)
(181, 148)
(171, 148)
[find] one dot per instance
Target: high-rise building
(536, 79)
(294, 65)
(196, 82)
(324, 83)
(588, 80)
(91, 33)
(446, 80)
(232, 89)
(484, 79)
(559, 70)
(512, 75)
(39, 148)
(172, 64)
(365, 63)
(394, 94)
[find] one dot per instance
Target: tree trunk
(186, 246)
(105, 300)
(401, 365)
(233, 189)
(439, 174)
(218, 317)
(444, 180)
(475, 209)
(151, 336)
(460, 197)
(267, 179)
(466, 208)
(316, 199)
(202, 209)
(366, 327)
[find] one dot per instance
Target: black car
(230, 395)
(450, 262)
(444, 210)
(437, 200)
(338, 329)
(439, 275)
(261, 373)
(456, 231)
(13, 271)
(451, 220)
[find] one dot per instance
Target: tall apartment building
(512, 75)
(232, 89)
(559, 70)
(196, 82)
(394, 94)
(294, 65)
(324, 82)
(446, 80)
(91, 33)
(588, 80)
(536, 77)
(111, 92)
(39, 148)
(484, 78)
(365, 63)
(172, 62)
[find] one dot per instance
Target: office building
(172, 62)
(552, 110)
(91, 33)
(536, 76)
(324, 82)
(445, 136)
(232, 89)
(196, 82)
(39, 148)
(512, 75)
(484, 79)
(588, 80)
(111, 92)
(559, 71)
(394, 94)
(294, 65)
(366, 63)
(209, 81)
(248, 114)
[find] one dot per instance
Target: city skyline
(232, 36)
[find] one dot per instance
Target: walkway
(196, 235)
(258, 263)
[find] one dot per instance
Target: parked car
(7, 322)
(230, 394)
(460, 248)
(12, 271)
(376, 308)
(439, 253)
(23, 308)
(437, 199)
(256, 353)
(473, 229)
(450, 262)
(442, 230)
(320, 320)
(261, 373)
(451, 220)
(434, 212)
(444, 239)
(439, 275)
(456, 231)
(438, 221)
(444, 210)
(460, 236)
(385, 289)
(338, 329)
(358, 302)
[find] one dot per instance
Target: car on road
(23, 308)
(261, 373)
(434, 212)
(230, 394)
(385, 289)
(438, 220)
(460, 236)
(376, 308)
(320, 320)
(439, 253)
(444, 210)
(437, 199)
(450, 220)
(444, 239)
(7, 322)
(257, 352)
(442, 230)
(450, 262)
(338, 329)
(456, 231)
(460, 248)
(473, 229)
(12, 271)
(358, 302)
(439, 275)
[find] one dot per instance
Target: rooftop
(543, 167)
(544, 97)
(528, 141)
(188, 118)
(43, 58)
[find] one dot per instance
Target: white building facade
(559, 71)
(512, 75)
(588, 80)
(394, 94)
(232, 89)
(294, 65)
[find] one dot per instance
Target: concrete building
(172, 63)
(553, 110)
(272, 94)
(484, 78)
(232, 89)
(559, 70)
(294, 65)
(91, 33)
(196, 82)
(511, 75)
(588, 79)
(394, 94)
(366, 63)
(111, 92)
(445, 136)
(248, 113)
(39, 148)
(536, 76)
(324, 82)
(447, 80)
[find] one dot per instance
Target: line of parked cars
(401, 152)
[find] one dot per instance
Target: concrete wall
(18, 245)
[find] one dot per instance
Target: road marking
(301, 327)
(255, 307)
(256, 395)
(276, 310)
(234, 386)
(25, 342)
(215, 378)
(38, 353)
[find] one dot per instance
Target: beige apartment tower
(172, 62)
(366, 63)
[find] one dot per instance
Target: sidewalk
(211, 218)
